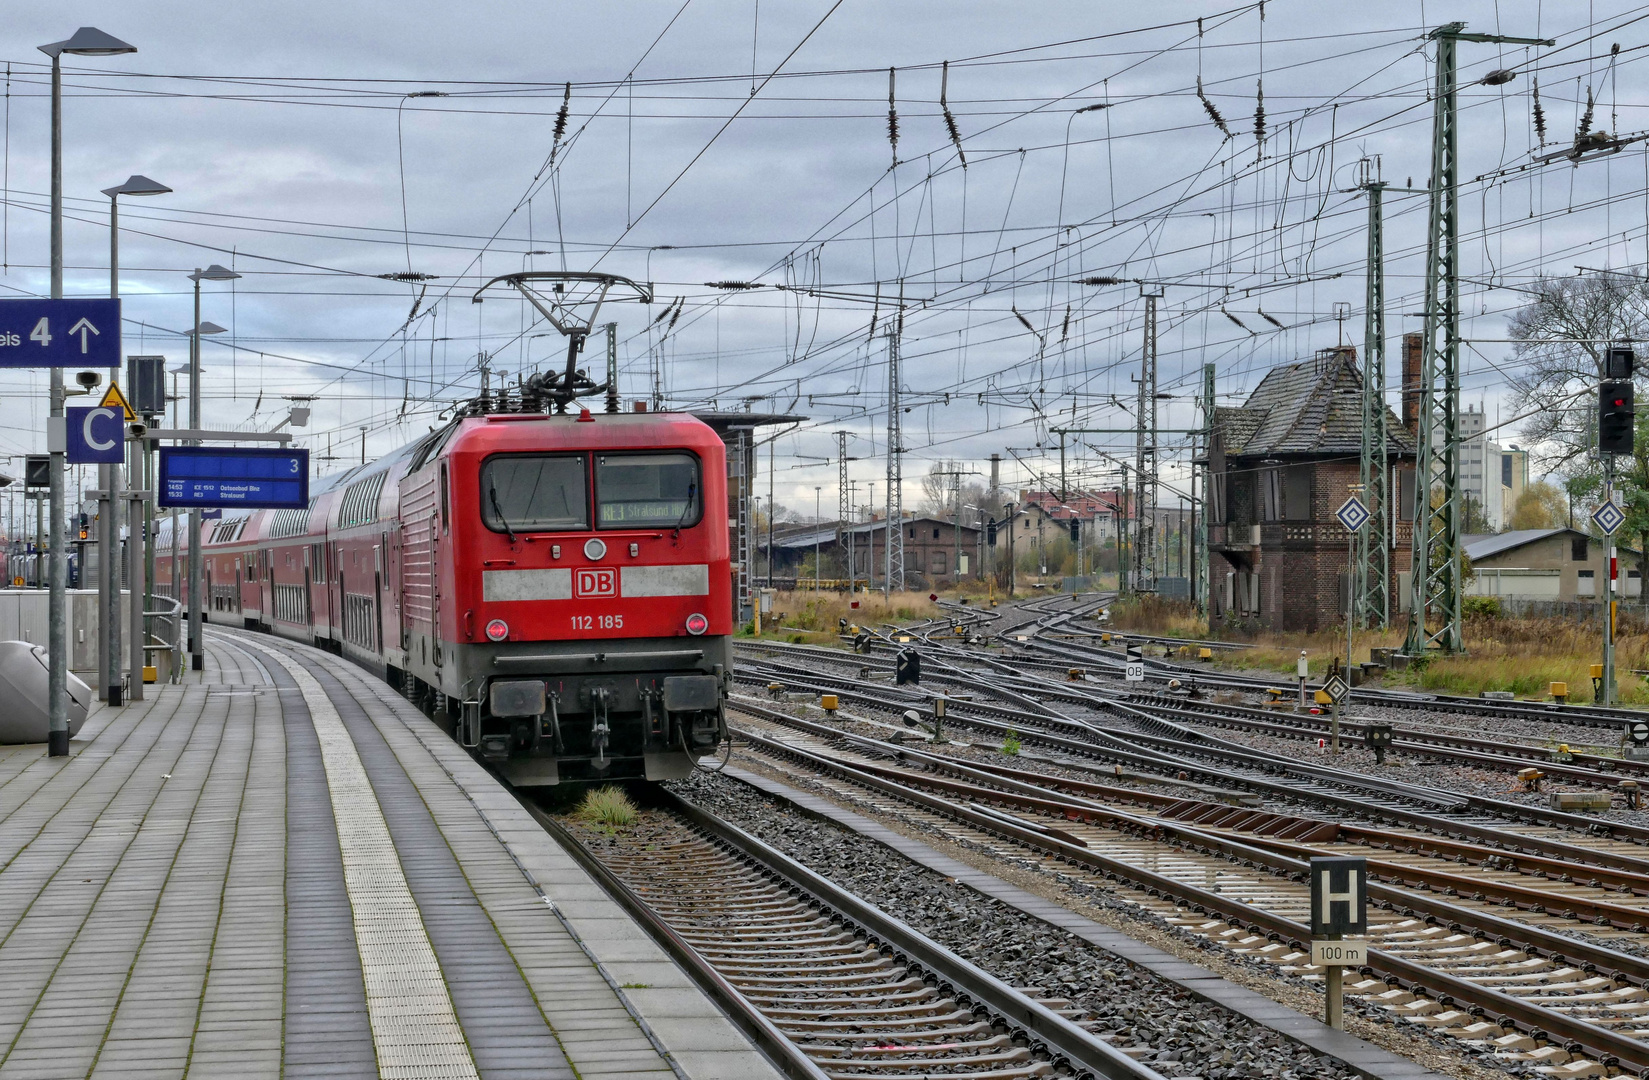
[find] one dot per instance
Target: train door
(393, 620)
(336, 596)
(435, 589)
(308, 585)
(378, 593)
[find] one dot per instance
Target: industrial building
(1279, 466)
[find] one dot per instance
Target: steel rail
(1433, 744)
(1059, 1036)
(1505, 844)
(1607, 1046)
(786, 1056)
(1035, 785)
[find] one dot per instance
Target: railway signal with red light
(498, 630)
(1615, 417)
(697, 624)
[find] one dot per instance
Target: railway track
(1156, 732)
(850, 992)
(1162, 670)
(1453, 964)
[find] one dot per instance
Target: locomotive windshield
(646, 490)
(528, 492)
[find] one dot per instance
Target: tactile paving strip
(415, 1031)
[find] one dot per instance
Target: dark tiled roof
(1309, 407)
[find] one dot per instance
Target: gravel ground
(1187, 1037)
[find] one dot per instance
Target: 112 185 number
(598, 622)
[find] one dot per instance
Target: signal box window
(1577, 548)
(529, 493)
(635, 491)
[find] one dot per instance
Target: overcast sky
(299, 160)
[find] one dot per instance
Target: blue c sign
(95, 436)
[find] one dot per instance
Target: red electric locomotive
(552, 589)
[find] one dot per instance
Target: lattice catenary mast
(1145, 451)
(1373, 571)
(893, 548)
(1435, 578)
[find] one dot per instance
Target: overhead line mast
(1373, 570)
(893, 548)
(1435, 569)
(1145, 451)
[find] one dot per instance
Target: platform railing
(173, 642)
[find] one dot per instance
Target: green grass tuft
(608, 806)
(1010, 744)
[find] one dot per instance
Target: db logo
(595, 582)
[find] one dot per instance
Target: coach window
(444, 518)
(534, 493)
(635, 491)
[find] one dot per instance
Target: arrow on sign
(81, 328)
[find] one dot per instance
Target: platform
(282, 869)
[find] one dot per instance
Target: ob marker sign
(95, 436)
(60, 333)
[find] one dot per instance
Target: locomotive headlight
(498, 630)
(697, 624)
(595, 549)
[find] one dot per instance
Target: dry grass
(815, 617)
(1526, 655)
(607, 806)
(1523, 656)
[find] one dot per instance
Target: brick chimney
(1411, 383)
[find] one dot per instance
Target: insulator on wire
(560, 121)
(1585, 117)
(1539, 115)
(561, 113)
(1269, 319)
(1213, 113)
(1065, 327)
(1236, 320)
(950, 121)
(1259, 117)
(676, 316)
(892, 118)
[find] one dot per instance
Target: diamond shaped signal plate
(1336, 688)
(1609, 517)
(1353, 514)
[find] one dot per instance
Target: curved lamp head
(138, 185)
(208, 327)
(89, 41)
(214, 272)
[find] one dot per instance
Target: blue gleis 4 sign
(60, 333)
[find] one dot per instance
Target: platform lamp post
(87, 41)
(197, 645)
(108, 563)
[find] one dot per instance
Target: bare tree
(1563, 331)
(936, 492)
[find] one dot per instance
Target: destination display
(257, 479)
